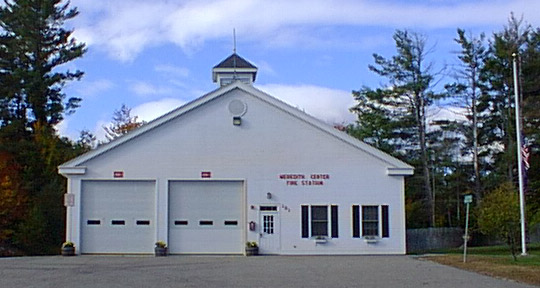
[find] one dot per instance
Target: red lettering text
(292, 176)
(320, 176)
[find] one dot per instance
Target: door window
(268, 224)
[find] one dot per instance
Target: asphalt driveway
(237, 271)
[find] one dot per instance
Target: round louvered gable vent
(237, 108)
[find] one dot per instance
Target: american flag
(525, 154)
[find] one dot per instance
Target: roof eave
(399, 171)
(72, 170)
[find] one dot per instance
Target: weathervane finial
(234, 52)
(234, 40)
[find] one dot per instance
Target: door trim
(270, 210)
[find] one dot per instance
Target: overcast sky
(157, 55)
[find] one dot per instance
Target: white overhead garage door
(206, 217)
(117, 216)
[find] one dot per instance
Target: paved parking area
(236, 271)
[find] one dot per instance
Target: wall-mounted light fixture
(268, 195)
(237, 121)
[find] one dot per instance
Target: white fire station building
(232, 166)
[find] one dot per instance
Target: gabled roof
(395, 166)
(230, 62)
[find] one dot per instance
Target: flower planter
(320, 240)
(252, 251)
(371, 240)
(68, 251)
(160, 251)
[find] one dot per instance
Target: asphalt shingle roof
(240, 62)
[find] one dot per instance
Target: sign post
(467, 200)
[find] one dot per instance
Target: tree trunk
(421, 118)
(477, 186)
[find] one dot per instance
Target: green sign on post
(467, 200)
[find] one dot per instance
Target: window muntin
(268, 208)
(319, 220)
(268, 224)
(370, 220)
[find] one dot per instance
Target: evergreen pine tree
(33, 46)
(394, 117)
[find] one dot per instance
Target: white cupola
(234, 68)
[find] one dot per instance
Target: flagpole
(520, 161)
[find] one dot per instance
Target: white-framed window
(319, 220)
(370, 220)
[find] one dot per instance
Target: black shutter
(356, 221)
(305, 221)
(385, 226)
(334, 215)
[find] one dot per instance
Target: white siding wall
(269, 142)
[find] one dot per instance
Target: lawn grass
(495, 261)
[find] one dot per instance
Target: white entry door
(269, 242)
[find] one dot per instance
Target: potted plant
(68, 249)
(371, 239)
(161, 248)
(252, 248)
(320, 239)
